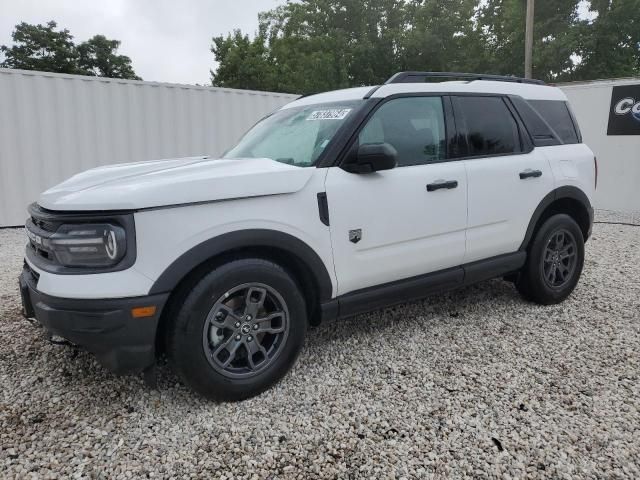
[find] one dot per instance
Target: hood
(173, 182)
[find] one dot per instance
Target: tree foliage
(555, 36)
(308, 46)
(610, 44)
(97, 56)
(245, 62)
(44, 48)
(41, 47)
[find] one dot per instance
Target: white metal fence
(53, 126)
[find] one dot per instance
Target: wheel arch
(567, 199)
(291, 253)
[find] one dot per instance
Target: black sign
(624, 116)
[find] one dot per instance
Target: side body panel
(184, 228)
(572, 165)
(501, 203)
(405, 230)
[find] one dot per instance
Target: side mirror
(372, 157)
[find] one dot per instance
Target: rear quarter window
(558, 116)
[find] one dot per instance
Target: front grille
(40, 226)
(45, 220)
(49, 226)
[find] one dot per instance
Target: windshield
(296, 136)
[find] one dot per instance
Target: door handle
(528, 173)
(439, 184)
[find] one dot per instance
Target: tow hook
(57, 340)
(63, 342)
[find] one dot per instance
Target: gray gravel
(476, 383)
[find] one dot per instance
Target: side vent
(323, 208)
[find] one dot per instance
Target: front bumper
(104, 327)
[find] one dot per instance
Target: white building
(596, 105)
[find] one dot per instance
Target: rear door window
(491, 129)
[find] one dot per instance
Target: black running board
(414, 288)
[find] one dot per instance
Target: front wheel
(239, 330)
(554, 262)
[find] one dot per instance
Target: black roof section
(417, 77)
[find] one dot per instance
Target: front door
(403, 222)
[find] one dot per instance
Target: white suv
(336, 204)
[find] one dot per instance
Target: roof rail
(417, 77)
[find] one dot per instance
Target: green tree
(97, 56)
(41, 47)
(308, 46)
(315, 45)
(301, 59)
(556, 37)
(243, 63)
(358, 41)
(610, 43)
(44, 48)
(443, 36)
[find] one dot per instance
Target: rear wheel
(554, 262)
(239, 330)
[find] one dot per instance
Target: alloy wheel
(559, 259)
(245, 330)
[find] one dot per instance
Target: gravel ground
(476, 383)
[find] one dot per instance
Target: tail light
(595, 165)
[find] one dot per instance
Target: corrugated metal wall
(53, 126)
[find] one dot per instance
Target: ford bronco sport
(336, 204)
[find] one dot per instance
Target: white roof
(525, 90)
(528, 91)
(335, 96)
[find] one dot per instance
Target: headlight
(88, 245)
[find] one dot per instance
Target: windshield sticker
(330, 114)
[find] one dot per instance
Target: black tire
(548, 277)
(190, 344)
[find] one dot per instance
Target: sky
(167, 40)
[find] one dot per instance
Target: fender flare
(226, 242)
(559, 193)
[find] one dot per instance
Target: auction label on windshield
(329, 114)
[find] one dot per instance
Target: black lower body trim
(591, 217)
(493, 267)
(121, 343)
(414, 288)
(374, 298)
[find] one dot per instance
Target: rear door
(507, 177)
(390, 225)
